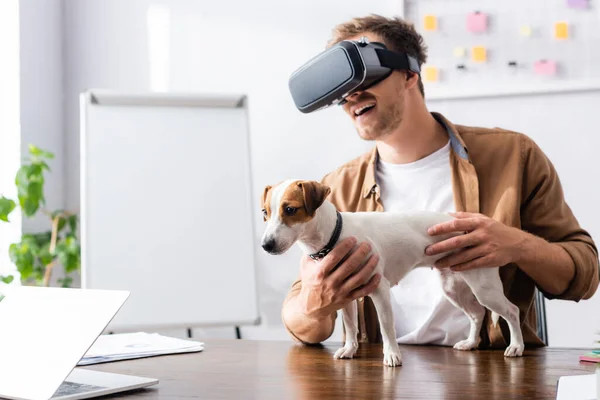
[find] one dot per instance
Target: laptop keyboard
(69, 388)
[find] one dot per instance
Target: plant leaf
(6, 207)
(44, 254)
(66, 281)
(68, 251)
(22, 255)
(30, 188)
(42, 238)
(73, 263)
(62, 222)
(36, 151)
(72, 244)
(22, 180)
(7, 279)
(35, 171)
(30, 240)
(35, 190)
(39, 271)
(44, 165)
(29, 206)
(73, 223)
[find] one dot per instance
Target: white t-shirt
(421, 312)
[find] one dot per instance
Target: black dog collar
(334, 238)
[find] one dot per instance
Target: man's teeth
(360, 110)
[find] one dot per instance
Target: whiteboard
(166, 208)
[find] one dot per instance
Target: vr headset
(343, 69)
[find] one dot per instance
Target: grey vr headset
(343, 69)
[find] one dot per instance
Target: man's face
(386, 99)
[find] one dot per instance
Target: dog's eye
(290, 211)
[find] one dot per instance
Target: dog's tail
(495, 318)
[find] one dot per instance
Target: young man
(502, 188)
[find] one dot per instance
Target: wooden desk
(241, 369)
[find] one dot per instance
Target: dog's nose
(268, 245)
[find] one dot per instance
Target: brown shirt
(503, 175)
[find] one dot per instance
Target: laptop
(44, 333)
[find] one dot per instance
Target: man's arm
(303, 328)
(490, 243)
(565, 264)
(548, 264)
(310, 308)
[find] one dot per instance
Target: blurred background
(526, 66)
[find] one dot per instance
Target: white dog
(297, 211)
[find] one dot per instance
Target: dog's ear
(315, 194)
(264, 196)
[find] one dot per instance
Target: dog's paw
(514, 350)
(466, 344)
(348, 351)
(392, 358)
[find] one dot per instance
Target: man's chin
(367, 134)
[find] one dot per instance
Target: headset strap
(395, 60)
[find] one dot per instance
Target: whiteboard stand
(238, 332)
(167, 210)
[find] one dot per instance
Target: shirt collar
(456, 144)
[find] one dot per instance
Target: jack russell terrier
(297, 211)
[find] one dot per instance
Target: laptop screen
(45, 332)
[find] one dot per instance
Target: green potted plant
(37, 255)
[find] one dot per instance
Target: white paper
(579, 387)
(125, 346)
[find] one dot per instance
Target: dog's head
(287, 208)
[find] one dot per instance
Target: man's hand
(326, 289)
(485, 243)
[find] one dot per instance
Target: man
(505, 193)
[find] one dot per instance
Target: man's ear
(264, 196)
(412, 79)
(315, 194)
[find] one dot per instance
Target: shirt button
(374, 189)
(361, 299)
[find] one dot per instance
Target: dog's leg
(487, 287)
(461, 296)
(381, 299)
(350, 314)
